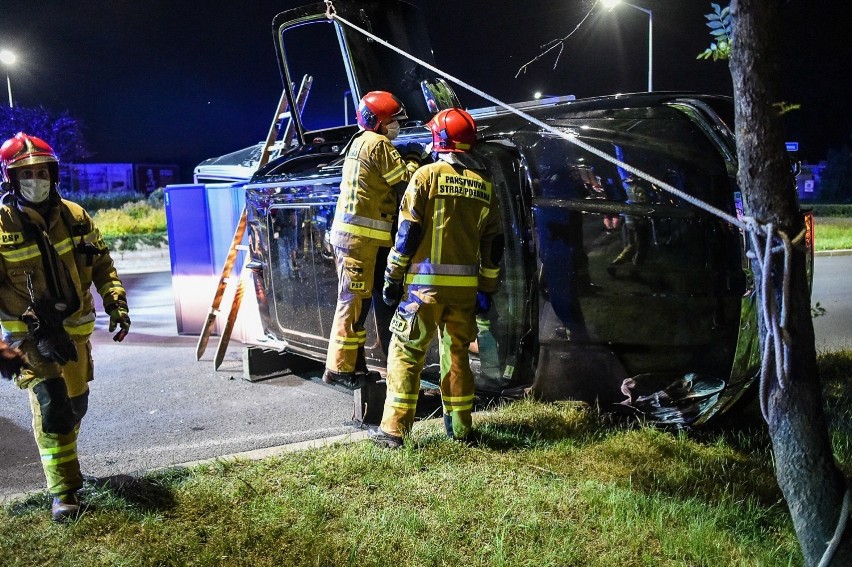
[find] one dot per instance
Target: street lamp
(8, 59)
(612, 4)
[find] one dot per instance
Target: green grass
(548, 484)
(833, 233)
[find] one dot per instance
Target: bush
(832, 210)
(101, 201)
(134, 223)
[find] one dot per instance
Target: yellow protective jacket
(449, 227)
(367, 205)
(81, 249)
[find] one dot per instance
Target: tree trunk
(807, 474)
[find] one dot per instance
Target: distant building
(808, 182)
(95, 178)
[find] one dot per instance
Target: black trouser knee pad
(57, 411)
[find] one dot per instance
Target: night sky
(177, 82)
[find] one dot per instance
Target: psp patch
(11, 237)
(357, 286)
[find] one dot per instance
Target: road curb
(253, 455)
(846, 252)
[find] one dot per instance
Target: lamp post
(612, 4)
(8, 59)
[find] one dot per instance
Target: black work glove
(118, 318)
(414, 152)
(11, 361)
(483, 303)
(58, 348)
(392, 291)
(44, 326)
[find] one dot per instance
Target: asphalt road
(152, 405)
(833, 291)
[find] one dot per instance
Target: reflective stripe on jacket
(20, 258)
(459, 218)
(367, 205)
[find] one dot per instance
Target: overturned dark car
(613, 290)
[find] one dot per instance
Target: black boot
(65, 507)
(348, 380)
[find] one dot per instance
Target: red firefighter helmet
(23, 150)
(453, 130)
(376, 106)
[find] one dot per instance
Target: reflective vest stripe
(21, 254)
(351, 193)
(363, 231)
(114, 286)
(361, 337)
(18, 327)
(398, 258)
(395, 175)
(12, 327)
(65, 246)
(446, 269)
(450, 281)
(489, 272)
(438, 230)
(84, 329)
(367, 222)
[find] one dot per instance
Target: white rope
(834, 543)
(777, 343)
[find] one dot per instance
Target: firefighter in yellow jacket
(373, 179)
(50, 254)
(446, 257)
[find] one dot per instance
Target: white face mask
(35, 190)
(393, 130)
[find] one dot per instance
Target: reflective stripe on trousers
(355, 272)
(457, 329)
(59, 452)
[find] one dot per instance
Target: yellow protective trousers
(413, 326)
(356, 269)
(58, 450)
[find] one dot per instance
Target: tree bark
(805, 468)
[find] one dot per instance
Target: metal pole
(650, 50)
(9, 86)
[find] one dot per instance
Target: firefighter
(50, 254)
(373, 179)
(446, 262)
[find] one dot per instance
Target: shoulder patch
(11, 237)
